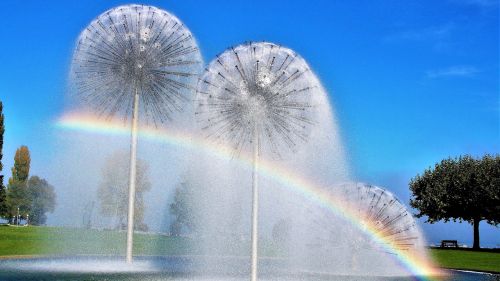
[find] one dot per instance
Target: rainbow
(417, 265)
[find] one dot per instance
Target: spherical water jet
(257, 90)
(379, 208)
(383, 228)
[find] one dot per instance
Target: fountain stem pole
(255, 206)
(132, 179)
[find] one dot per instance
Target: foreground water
(181, 269)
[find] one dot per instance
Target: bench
(449, 243)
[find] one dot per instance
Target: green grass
(467, 259)
(73, 241)
(33, 240)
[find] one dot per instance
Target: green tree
(112, 192)
(184, 210)
(3, 193)
(21, 169)
(43, 200)
(17, 191)
(463, 189)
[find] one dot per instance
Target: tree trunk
(476, 234)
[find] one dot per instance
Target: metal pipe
(132, 179)
(255, 207)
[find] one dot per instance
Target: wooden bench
(449, 243)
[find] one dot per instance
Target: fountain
(257, 94)
(265, 102)
(132, 56)
(386, 227)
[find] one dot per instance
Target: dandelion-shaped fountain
(257, 96)
(390, 219)
(392, 231)
(133, 60)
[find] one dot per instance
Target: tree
(206, 209)
(21, 169)
(184, 210)
(43, 200)
(17, 191)
(463, 189)
(113, 190)
(3, 193)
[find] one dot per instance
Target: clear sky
(412, 82)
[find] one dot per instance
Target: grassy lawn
(72, 241)
(466, 259)
(75, 241)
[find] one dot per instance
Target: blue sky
(412, 82)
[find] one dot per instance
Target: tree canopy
(206, 209)
(21, 169)
(184, 210)
(43, 200)
(462, 188)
